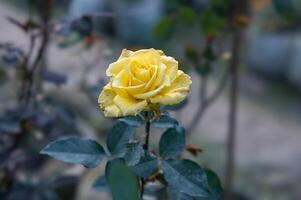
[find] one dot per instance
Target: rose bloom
(142, 80)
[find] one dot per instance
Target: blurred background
(54, 55)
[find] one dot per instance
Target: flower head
(142, 80)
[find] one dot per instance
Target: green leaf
(185, 176)
(122, 181)
(147, 166)
(101, 184)
(118, 137)
(172, 142)
(214, 184)
(187, 15)
(211, 23)
(133, 154)
(134, 121)
(75, 150)
(164, 28)
(165, 121)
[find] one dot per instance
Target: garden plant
(142, 83)
(145, 153)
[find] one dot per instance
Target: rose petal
(143, 75)
(150, 83)
(176, 92)
(129, 106)
(133, 80)
(105, 101)
(140, 80)
(125, 53)
(152, 93)
(151, 51)
(115, 67)
(171, 66)
(121, 83)
(160, 76)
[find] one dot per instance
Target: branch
(207, 102)
(145, 147)
(232, 119)
(202, 105)
(25, 67)
(239, 9)
(40, 55)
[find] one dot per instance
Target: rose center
(142, 74)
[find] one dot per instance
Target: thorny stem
(145, 147)
(147, 132)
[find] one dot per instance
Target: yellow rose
(142, 80)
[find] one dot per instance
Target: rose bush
(142, 80)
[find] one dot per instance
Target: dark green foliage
(186, 177)
(172, 142)
(211, 23)
(165, 27)
(118, 138)
(165, 121)
(187, 15)
(133, 154)
(134, 121)
(122, 181)
(130, 159)
(214, 183)
(147, 166)
(75, 150)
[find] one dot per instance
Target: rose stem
(145, 147)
